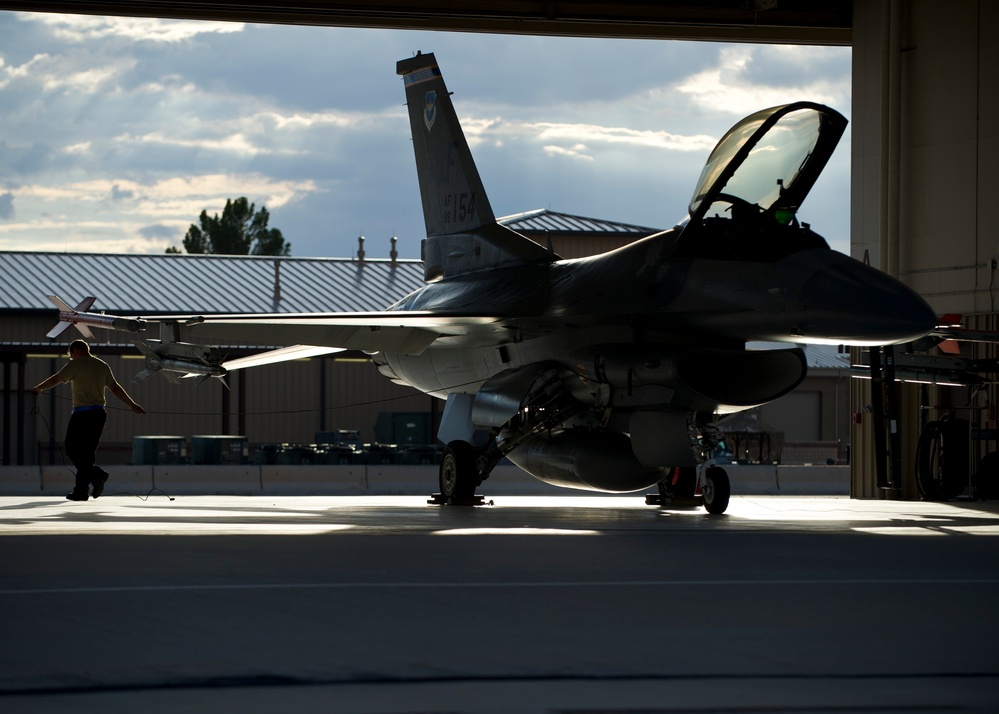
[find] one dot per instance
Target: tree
(240, 231)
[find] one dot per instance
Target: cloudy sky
(116, 133)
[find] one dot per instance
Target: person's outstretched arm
(47, 384)
(118, 391)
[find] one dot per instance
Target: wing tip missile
(83, 320)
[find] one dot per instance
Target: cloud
(66, 72)
(262, 133)
(733, 87)
(579, 139)
(237, 143)
(159, 230)
(576, 152)
(81, 148)
(311, 122)
(87, 28)
(595, 134)
(6, 206)
(87, 214)
(117, 194)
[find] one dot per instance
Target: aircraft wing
(402, 332)
(406, 332)
(283, 354)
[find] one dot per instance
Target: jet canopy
(769, 160)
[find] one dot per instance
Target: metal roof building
(207, 284)
(575, 236)
(543, 220)
(288, 402)
(204, 284)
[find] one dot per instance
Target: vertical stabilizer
(462, 233)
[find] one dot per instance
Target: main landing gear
(459, 476)
(464, 467)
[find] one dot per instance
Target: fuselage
(657, 297)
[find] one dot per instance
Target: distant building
(575, 236)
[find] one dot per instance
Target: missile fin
(145, 374)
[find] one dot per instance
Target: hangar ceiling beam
(814, 22)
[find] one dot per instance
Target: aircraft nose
(857, 304)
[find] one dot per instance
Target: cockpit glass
(777, 159)
(722, 156)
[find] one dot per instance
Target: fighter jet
(610, 372)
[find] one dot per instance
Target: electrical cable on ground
(38, 412)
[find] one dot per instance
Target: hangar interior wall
(281, 404)
(925, 176)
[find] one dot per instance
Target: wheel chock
(439, 499)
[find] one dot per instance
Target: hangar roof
(787, 21)
(204, 284)
(542, 220)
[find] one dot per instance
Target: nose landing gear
(715, 490)
(689, 486)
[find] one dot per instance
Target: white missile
(84, 320)
(185, 368)
(197, 361)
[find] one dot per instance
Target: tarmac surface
(551, 604)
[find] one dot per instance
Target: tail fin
(145, 374)
(151, 362)
(63, 307)
(462, 233)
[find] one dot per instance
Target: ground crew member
(89, 376)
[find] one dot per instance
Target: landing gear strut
(464, 467)
(705, 484)
(676, 490)
(679, 489)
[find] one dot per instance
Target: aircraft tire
(716, 490)
(458, 471)
(942, 463)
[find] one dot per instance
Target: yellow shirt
(90, 376)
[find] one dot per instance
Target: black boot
(100, 478)
(77, 496)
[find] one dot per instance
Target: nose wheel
(715, 490)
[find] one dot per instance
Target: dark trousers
(83, 436)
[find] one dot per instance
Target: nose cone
(848, 302)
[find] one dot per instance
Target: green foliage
(240, 231)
